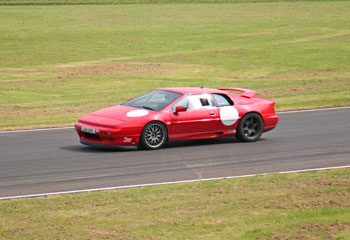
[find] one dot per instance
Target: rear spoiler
(245, 92)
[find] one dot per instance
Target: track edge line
(165, 183)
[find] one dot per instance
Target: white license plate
(88, 130)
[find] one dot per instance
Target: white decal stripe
(283, 112)
(166, 183)
(137, 113)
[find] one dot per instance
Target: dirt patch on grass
(105, 233)
(197, 54)
(289, 91)
(52, 111)
(238, 51)
(289, 76)
(15, 119)
(29, 82)
(124, 69)
(329, 194)
(308, 75)
(314, 231)
(320, 204)
(78, 71)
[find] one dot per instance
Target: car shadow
(170, 145)
(89, 149)
(211, 141)
(198, 142)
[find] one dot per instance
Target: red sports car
(166, 114)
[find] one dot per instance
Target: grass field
(309, 205)
(60, 62)
(99, 2)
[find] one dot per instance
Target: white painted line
(314, 110)
(165, 183)
(37, 129)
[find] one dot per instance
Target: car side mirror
(130, 99)
(180, 109)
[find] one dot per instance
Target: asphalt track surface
(35, 162)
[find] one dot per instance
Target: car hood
(114, 116)
(121, 113)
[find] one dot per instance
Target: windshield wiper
(149, 108)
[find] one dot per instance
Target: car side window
(222, 100)
(200, 101)
(183, 102)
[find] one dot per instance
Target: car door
(201, 115)
(228, 115)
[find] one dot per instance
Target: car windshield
(155, 100)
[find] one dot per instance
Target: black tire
(250, 128)
(154, 136)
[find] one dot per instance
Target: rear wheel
(250, 128)
(154, 136)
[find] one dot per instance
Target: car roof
(191, 90)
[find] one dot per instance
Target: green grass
(80, 2)
(309, 205)
(60, 62)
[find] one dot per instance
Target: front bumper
(106, 136)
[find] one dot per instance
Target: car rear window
(222, 100)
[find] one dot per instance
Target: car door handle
(212, 114)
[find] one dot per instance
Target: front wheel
(154, 136)
(250, 128)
